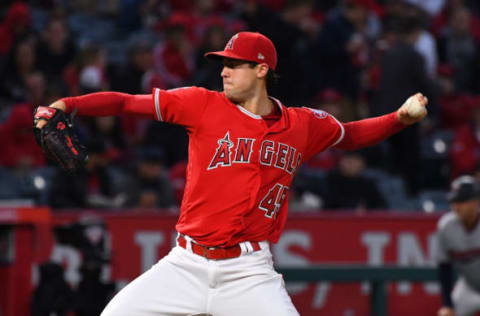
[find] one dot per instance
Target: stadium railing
(378, 276)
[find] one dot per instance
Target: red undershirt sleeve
(111, 103)
(368, 132)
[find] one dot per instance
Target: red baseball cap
(250, 46)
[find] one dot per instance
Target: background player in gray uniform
(459, 247)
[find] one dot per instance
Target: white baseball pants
(183, 283)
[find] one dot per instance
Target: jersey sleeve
(324, 131)
(370, 131)
(182, 106)
(110, 103)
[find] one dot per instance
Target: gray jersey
(460, 247)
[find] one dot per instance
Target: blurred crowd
(351, 58)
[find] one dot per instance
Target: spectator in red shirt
(455, 106)
(173, 58)
(465, 149)
(17, 129)
(15, 25)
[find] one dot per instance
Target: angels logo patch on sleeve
(324, 130)
(318, 113)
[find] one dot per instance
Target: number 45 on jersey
(274, 199)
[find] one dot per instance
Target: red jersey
(239, 169)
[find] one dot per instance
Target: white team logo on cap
(260, 56)
(231, 42)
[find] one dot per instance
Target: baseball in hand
(414, 108)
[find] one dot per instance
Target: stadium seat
(310, 180)
(393, 190)
(434, 171)
(433, 201)
(8, 185)
(437, 144)
(39, 19)
(91, 29)
(41, 180)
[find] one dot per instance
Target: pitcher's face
(239, 79)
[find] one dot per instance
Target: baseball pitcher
(245, 147)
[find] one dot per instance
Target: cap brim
(453, 197)
(462, 196)
(225, 54)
